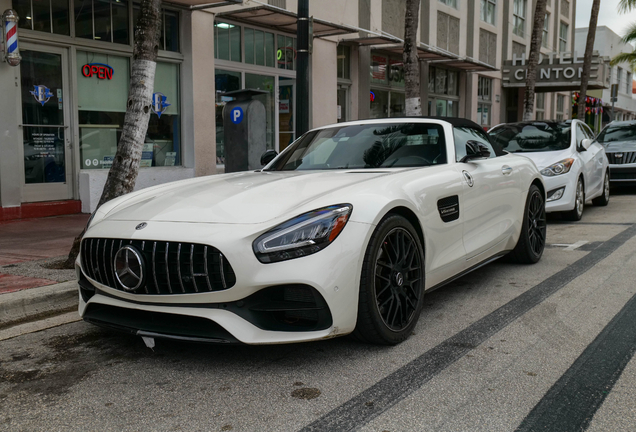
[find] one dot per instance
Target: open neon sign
(102, 71)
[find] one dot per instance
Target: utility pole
(302, 68)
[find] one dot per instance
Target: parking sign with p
(236, 115)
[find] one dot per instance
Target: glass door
(286, 118)
(46, 145)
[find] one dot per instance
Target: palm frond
(626, 5)
(629, 58)
(630, 34)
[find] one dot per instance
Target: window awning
(468, 64)
(424, 52)
(374, 40)
(282, 20)
(203, 4)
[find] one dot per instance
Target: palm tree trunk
(587, 59)
(123, 173)
(533, 59)
(411, 60)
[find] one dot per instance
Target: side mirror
(585, 144)
(268, 156)
(475, 150)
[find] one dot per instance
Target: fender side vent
(449, 208)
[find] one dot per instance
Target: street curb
(36, 303)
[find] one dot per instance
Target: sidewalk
(28, 290)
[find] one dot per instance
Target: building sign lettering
(100, 70)
(557, 72)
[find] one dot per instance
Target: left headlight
(561, 167)
(303, 235)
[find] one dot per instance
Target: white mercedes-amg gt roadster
(341, 233)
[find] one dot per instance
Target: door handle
(506, 170)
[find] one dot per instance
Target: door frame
(39, 192)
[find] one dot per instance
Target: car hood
(547, 158)
(620, 146)
(237, 198)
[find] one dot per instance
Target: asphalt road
(508, 347)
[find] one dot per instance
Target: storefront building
(68, 97)
(609, 44)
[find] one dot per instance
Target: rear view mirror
(268, 156)
(475, 150)
(585, 144)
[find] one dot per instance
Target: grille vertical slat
(179, 268)
(222, 272)
(168, 268)
(194, 278)
(192, 261)
(154, 266)
(205, 262)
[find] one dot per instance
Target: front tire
(531, 243)
(579, 202)
(391, 284)
(603, 200)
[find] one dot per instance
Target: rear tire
(531, 243)
(579, 202)
(391, 284)
(603, 200)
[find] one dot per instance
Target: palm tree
(411, 60)
(123, 173)
(533, 59)
(629, 58)
(587, 59)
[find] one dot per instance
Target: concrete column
(324, 83)
(10, 133)
(424, 86)
(364, 61)
(201, 76)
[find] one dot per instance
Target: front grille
(627, 158)
(170, 267)
(622, 175)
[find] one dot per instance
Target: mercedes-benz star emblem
(129, 268)
(141, 226)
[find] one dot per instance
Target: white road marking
(571, 247)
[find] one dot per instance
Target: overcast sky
(608, 15)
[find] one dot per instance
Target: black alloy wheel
(531, 243)
(392, 283)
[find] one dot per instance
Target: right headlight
(561, 167)
(303, 235)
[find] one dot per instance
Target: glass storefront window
(42, 117)
(286, 125)
(38, 15)
(102, 107)
(259, 47)
(103, 20)
(344, 61)
(266, 83)
(379, 104)
(396, 76)
(286, 53)
(227, 44)
(169, 31)
(378, 69)
(224, 81)
(164, 132)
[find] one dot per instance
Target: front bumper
(333, 274)
(566, 202)
(623, 174)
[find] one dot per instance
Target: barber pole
(10, 24)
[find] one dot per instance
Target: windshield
(617, 133)
(535, 137)
(389, 145)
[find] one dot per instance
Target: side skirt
(465, 272)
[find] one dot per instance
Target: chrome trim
(168, 268)
(154, 266)
(179, 268)
(194, 279)
(205, 267)
(222, 273)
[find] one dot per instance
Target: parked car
(619, 140)
(573, 165)
(342, 232)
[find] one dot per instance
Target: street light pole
(302, 68)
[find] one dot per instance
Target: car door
(492, 196)
(589, 160)
(599, 158)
